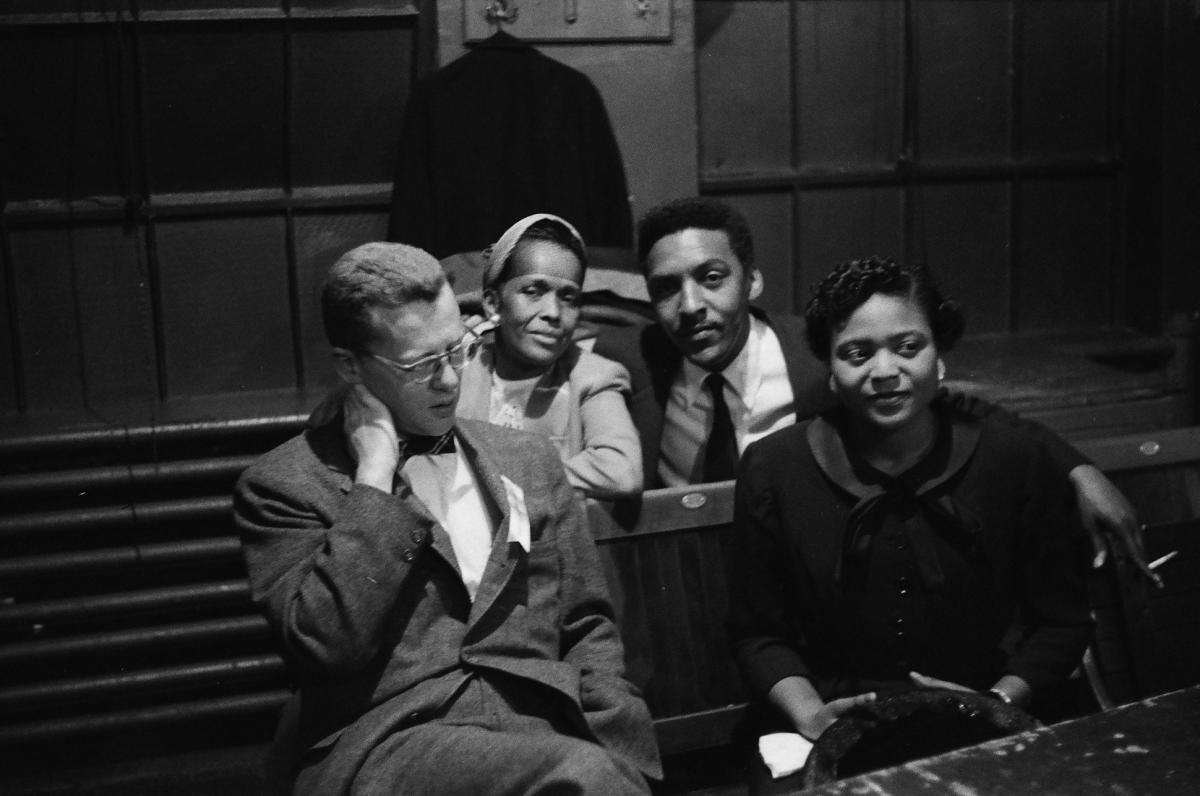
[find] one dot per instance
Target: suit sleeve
(762, 630)
(1053, 554)
(1065, 457)
(610, 464)
(326, 576)
(624, 347)
(612, 706)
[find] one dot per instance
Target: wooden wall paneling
(849, 82)
(116, 319)
(1066, 230)
(1180, 290)
(349, 86)
(214, 105)
(772, 223)
(962, 234)
(1065, 78)
(226, 305)
(321, 238)
(845, 223)
(67, 105)
(743, 70)
(963, 52)
(47, 303)
(211, 5)
(72, 7)
(10, 390)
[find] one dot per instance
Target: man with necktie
(716, 373)
(437, 597)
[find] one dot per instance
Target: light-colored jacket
(599, 446)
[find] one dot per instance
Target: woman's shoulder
(1002, 438)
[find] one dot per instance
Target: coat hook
(642, 7)
(571, 11)
(500, 11)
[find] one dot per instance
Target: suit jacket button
(408, 555)
(418, 536)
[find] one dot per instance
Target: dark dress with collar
(969, 566)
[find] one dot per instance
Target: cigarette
(1158, 562)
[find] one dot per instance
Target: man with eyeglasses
(437, 597)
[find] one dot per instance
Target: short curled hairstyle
(850, 284)
(374, 275)
(695, 212)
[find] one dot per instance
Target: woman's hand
(1015, 690)
(921, 680)
(1104, 511)
(796, 698)
(830, 712)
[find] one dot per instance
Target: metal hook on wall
(500, 11)
(642, 7)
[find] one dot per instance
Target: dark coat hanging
(501, 133)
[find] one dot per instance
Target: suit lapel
(487, 472)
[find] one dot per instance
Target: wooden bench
(131, 655)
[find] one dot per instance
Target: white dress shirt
(447, 486)
(757, 391)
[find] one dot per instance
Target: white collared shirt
(757, 391)
(448, 487)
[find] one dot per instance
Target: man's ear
(941, 369)
(832, 384)
(756, 284)
(491, 304)
(346, 365)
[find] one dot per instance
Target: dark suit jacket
(499, 134)
(653, 360)
(363, 591)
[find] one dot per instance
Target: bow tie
(419, 445)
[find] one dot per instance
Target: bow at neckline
(914, 492)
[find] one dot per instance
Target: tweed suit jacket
(363, 591)
(653, 360)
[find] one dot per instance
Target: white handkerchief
(784, 752)
(518, 517)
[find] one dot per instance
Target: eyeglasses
(426, 368)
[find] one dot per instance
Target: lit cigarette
(1158, 562)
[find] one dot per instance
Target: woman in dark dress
(896, 541)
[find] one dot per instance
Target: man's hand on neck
(371, 437)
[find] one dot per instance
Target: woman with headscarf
(530, 374)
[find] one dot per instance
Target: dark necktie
(720, 453)
(417, 445)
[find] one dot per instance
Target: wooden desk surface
(1150, 747)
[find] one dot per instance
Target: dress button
(408, 556)
(901, 543)
(418, 536)
(902, 585)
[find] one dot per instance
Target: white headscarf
(498, 253)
